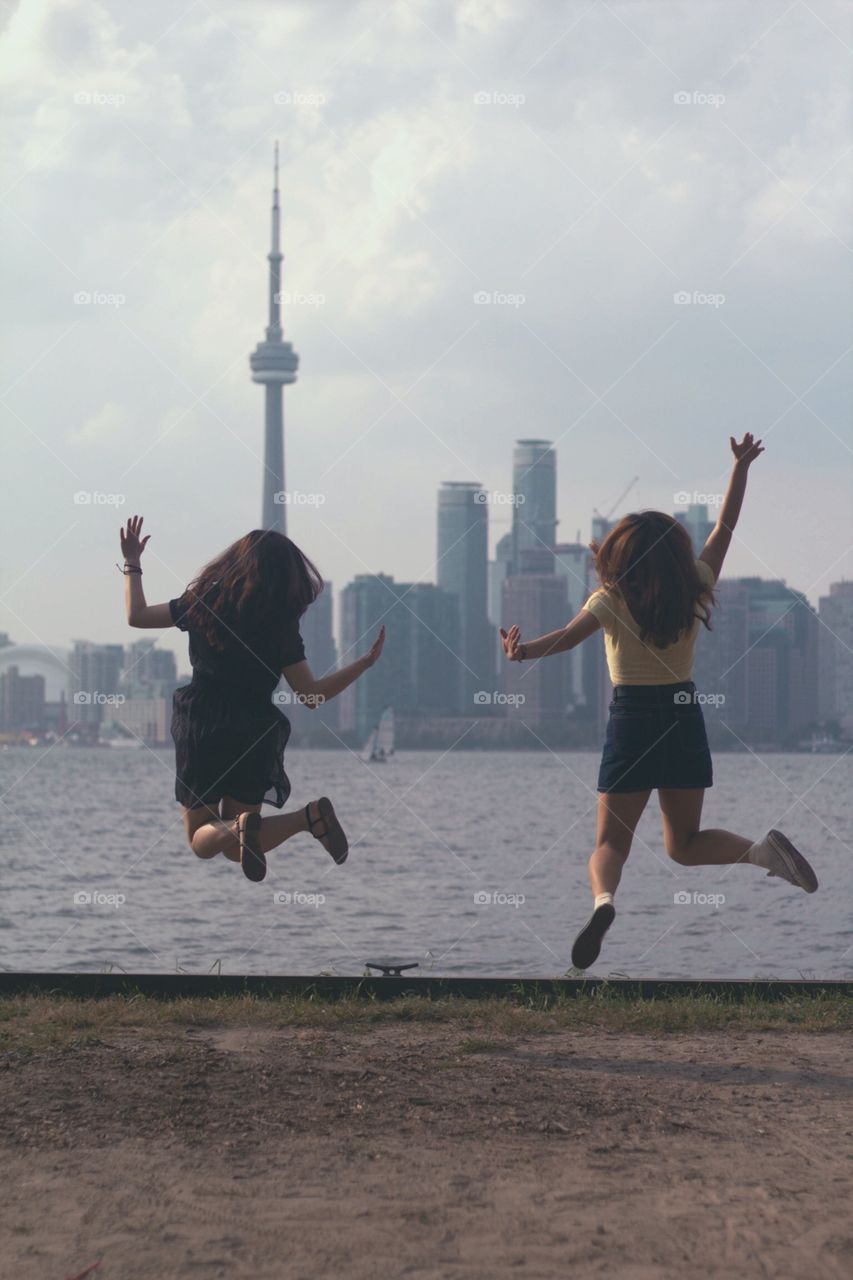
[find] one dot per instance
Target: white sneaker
(789, 863)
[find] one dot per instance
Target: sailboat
(380, 743)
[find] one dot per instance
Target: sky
(586, 167)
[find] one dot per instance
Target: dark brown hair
(648, 558)
(254, 585)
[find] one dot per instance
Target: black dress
(229, 737)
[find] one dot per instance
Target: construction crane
(622, 496)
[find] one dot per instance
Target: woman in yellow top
(653, 598)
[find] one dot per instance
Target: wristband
(129, 568)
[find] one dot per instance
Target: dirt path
(417, 1151)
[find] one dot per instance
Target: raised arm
(313, 692)
(714, 551)
(139, 614)
(581, 626)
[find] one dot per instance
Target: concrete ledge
(173, 986)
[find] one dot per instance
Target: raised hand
(132, 543)
(375, 649)
(748, 449)
(511, 641)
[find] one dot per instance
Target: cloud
(110, 424)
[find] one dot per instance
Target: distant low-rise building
(22, 704)
(146, 718)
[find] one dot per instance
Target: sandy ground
(419, 1151)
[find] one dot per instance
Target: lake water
(471, 863)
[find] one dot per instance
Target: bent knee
(678, 850)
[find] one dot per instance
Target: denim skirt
(655, 738)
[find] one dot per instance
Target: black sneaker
(588, 942)
(790, 864)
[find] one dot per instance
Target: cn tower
(274, 363)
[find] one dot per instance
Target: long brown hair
(648, 558)
(257, 583)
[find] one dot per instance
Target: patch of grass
(476, 1045)
(39, 1022)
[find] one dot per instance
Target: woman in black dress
(242, 615)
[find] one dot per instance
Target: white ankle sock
(762, 854)
(601, 898)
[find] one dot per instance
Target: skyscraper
(781, 661)
(149, 672)
(499, 569)
(721, 664)
(95, 681)
(316, 626)
(419, 670)
(695, 521)
(573, 561)
(274, 363)
(534, 485)
(538, 602)
(462, 571)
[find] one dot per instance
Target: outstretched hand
(511, 641)
(748, 449)
(132, 542)
(375, 649)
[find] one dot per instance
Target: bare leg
(208, 835)
(681, 813)
(618, 815)
(210, 831)
(274, 830)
